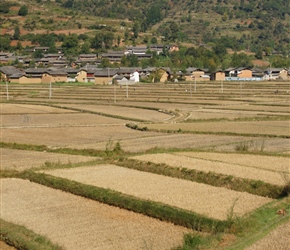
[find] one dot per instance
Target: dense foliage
(210, 29)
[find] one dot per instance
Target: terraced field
(203, 199)
(106, 143)
(78, 223)
(269, 172)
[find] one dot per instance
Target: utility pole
(114, 93)
(50, 90)
(7, 91)
(127, 94)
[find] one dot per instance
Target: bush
(23, 11)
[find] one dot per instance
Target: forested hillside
(260, 27)
(253, 24)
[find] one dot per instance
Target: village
(54, 67)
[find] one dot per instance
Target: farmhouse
(54, 76)
(165, 74)
(198, 74)
(275, 73)
(159, 48)
(87, 59)
(7, 71)
(104, 76)
(136, 50)
(243, 72)
(113, 56)
(218, 75)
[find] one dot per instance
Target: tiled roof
(9, 70)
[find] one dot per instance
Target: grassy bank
(22, 238)
(218, 180)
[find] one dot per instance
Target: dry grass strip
(200, 198)
(78, 223)
(13, 159)
(183, 161)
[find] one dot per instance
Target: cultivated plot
(13, 159)
(272, 163)
(273, 128)
(67, 136)
(11, 108)
(128, 112)
(270, 175)
(58, 120)
(77, 223)
(204, 199)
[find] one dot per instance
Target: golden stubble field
(274, 170)
(79, 118)
(78, 223)
(200, 198)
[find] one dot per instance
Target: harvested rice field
(13, 159)
(77, 223)
(207, 114)
(187, 160)
(272, 128)
(272, 163)
(70, 136)
(89, 118)
(59, 120)
(128, 112)
(200, 198)
(147, 141)
(10, 108)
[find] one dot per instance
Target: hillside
(200, 21)
(258, 27)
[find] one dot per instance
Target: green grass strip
(153, 209)
(23, 238)
(218, 180)
(260, 223)
(44, 148)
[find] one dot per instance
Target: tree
(23, 11)
(153, 15)
(85, 48)
(105, 63)
(126, 35)
(16, 35)
(108, 39)
(103, 40)
(4, 7)
(174, 31)
(136, 29)
(37, 54)
(4, 43)
(97, 42)
(70, 45)
(153, 40)
(119, 40)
